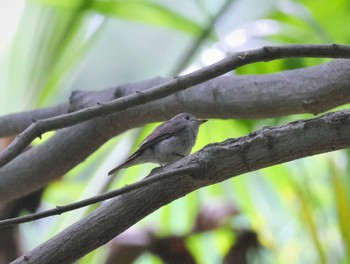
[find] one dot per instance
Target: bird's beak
(201, 121)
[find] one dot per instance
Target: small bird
(167, 143)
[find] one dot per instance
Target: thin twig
(231, 62)
(99, 198)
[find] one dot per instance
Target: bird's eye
(187, 117)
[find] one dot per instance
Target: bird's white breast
(173, 148)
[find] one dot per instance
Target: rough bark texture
(311, 90)
(214, 163)
(15, 123)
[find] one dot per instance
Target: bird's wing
(161, 132)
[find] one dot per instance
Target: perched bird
(168, 142)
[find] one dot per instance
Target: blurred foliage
(299, 211)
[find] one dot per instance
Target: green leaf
(66, 4)
(342, 205)
(307, 214)
(148, 13)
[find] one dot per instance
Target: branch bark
(213, 164)
(15, 123)
(96, 199)
(310, 90)
(180, 83)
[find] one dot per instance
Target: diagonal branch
(96, 199)
(308, 90)
(36, 129)
(213, 164)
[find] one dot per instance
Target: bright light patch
(92, 25)
(10, 14)
(265, 27)
(212, 55)
(236, 38)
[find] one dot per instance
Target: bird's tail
(132, 160)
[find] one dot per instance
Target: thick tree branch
(37, 128)
(213, 164)
(15, 123)
(310, 90)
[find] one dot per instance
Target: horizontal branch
(37, 128)
(308, 90)
(213, 164)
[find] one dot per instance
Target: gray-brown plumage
(168, 142)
